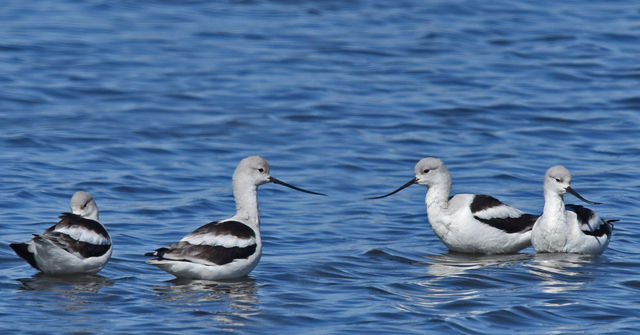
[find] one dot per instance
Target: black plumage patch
(511, 225)
(71, 245)
(215, 254)
(233, 228)
(604, 229)
(584, 214)
(69, 220)
(22, 250)
(481, 202)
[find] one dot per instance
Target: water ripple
(149, 106)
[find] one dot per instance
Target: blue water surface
(149, 106)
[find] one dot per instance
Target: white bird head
(558, 180)
(82, 204)
(429, 171)
(255, 170)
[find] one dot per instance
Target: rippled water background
(149, 105)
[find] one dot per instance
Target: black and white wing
(497, 214)
(78, 236)
(216, 243)
(590, 222)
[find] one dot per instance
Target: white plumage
(77, 244)
(229, 248)
(223, 240)
(570, 228)
(469, 223)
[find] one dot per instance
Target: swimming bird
(568, 228)
(77, 244)
(469, 223)
(229, 248)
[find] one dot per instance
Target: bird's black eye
(261, 170)
(558, 179)
(425, 171)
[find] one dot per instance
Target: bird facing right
(229, 248)
(77, 244)
(568, 228)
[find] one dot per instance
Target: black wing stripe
(584, 214)
(215, 254)
(72, 245)
(68, 220)
(520, 224)
(603, 229)
(481, 202)
(233, 228)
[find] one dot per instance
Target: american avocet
(568, 228)
(228, 248)
(469, 223)
(79, 243)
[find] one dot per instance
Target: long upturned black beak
(276, 181)
(575, 194)
(411, 182)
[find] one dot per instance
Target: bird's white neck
(554, 211)
(437, 200)
(438, 195)
(246, 197)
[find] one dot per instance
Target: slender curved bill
(411, 182)
(280, 182)
(575, 194)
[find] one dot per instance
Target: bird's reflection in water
(77, 291)
(230, 302)
(66, 285)
(452, 263)
(469, 274)
(561, 272)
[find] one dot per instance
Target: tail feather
(22, 250)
